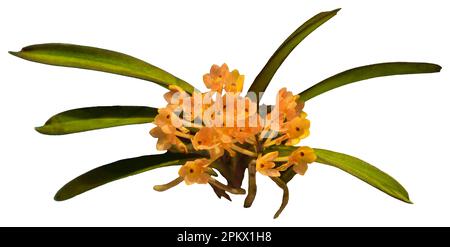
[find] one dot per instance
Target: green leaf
(117, 170)
(264, 77)
(92, 58)
(367, 72)
(364, 171)
(352, 165)
(91, 118)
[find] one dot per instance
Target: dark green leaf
(354, 166)
(92, 58)
(117, 170)
(367, 72)
(265, 76)
(91, 118)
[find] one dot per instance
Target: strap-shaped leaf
(354, 166)
(91, 118)
(367, 72)
(364, 171)
(117, 170)
(92, 58)
(264, 77)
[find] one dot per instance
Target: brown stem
(251, 184)
(237, 191)
(285, 200)
(164, 187)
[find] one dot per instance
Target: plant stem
(269, 138)
(173, 183)
(279, 139)
(251, 184)
(285, 199)
(282, 158)
(243, 151)
(251, 140)
(237, 191)
(184, 135)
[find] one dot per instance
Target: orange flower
(196, 106)
(214, 140)
(246, 129)
(175, 96)
(166, 141)
(195, 172)
(233, 110)
(287, 104)
(205, 139)
(245, 108)
(167, 120)
(265, 164)
(216, 78)
(300, 159)
(296, 129)
(234, 82)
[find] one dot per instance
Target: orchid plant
(219, 131)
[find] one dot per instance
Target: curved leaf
(352, 165)
(91, 118)
(262, 80)
(367, 72)
(364, 171)
(117, 170)
(92, 58)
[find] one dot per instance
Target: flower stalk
(285, 199)
(252, 188)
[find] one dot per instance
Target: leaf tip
(438, 67)
(407, 200)
(63, 194)
(59, 197)
(14, 53)
(41, 130)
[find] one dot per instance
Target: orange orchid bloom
(195, 172)
(296, 129)
(214, 140)
(287, 104)
(167, 120)
(176, 95)
(196, 105)
(300, 159)
(234, 82)
(265, 164)
(166, 141)
(215, 80)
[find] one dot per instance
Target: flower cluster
(221, 122)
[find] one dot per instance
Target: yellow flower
(265, 164)
(195, 172)
(234, 82)
(300, 159)
(166, 141)
(296, 129)
(216, 78)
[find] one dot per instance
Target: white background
(400, 124)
